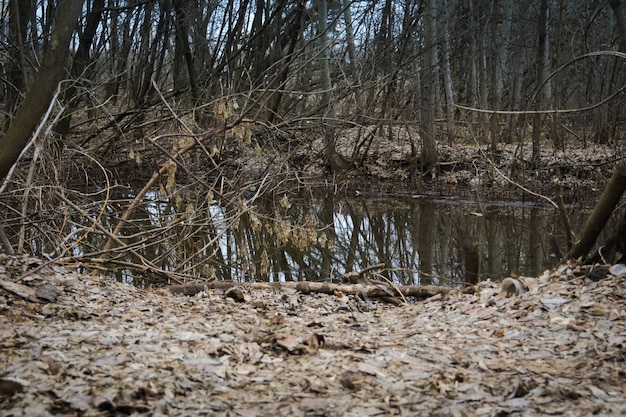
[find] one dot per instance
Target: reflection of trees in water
(420, 242)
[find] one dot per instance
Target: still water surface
(420, 240)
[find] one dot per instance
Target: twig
(520, 186)
(155, 177)
(147, 265)
(392, 285)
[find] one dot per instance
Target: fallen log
(306, 287)
(601, 213)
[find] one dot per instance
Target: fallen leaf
(236, 294)
(551, 303)
(313, 404)
(8, 387)
(351, 380)
(288, 341)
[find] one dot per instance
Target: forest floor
(82, 345)
(85, 345)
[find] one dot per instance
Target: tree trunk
(18, 23)
(428, 84)
(447, 74)
(516, 96)
(600, 215)
(356, 72)
(44, 86)
(293, 33)
(182, 45)
(333, 160)
(80, 63)
(619, 10)
(120, 44)
(540, 96)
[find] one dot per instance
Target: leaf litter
(90, 346)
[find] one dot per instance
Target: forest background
(236, 100)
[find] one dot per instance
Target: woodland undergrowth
(84, 204)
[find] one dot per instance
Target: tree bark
(540, 97)
(600, 215)
(19, 13)
(41, 92)
(81, 62)
(447, 74)
(420, 292)
(182, 44)
(334, 162)
(354, 66)
(428, 84)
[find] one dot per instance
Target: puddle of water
(420, 240)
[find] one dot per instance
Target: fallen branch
(305, 287)
(601, 213)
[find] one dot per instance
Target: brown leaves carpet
(89, 346)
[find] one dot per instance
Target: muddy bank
(371, 160)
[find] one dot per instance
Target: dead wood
(359, 277)
(600, 215)
(46, 293)
(153, 180)
(305, 287)
(612, 250)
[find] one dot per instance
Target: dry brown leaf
(47, 292)
(351, 380)
(288, 341)
(314, 404)
(143, 352)
(9, 387)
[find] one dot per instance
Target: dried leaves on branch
(101, 347)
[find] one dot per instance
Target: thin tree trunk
(447, 74)
(428, 84)
(19, 12)
(601, 212)
(293, 33)
(333, 160)
(600, 215)
(354, 66)
(182, 43)
(540, 95)
(41, 92)
(516, 97)
(80, 63)
(494, 93)
(619, 11)
(121, 43)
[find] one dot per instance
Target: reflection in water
(420, 241)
